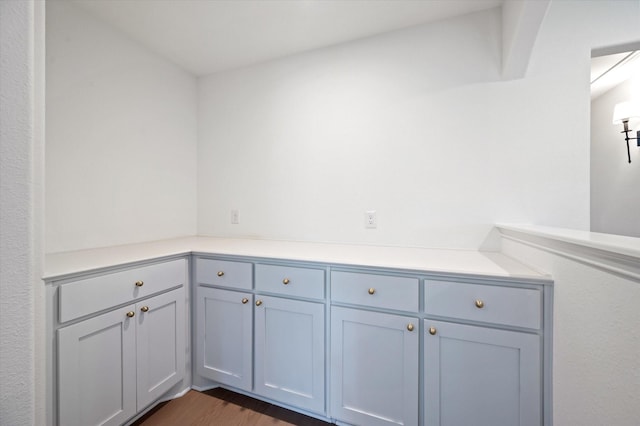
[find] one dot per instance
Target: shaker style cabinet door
(481, 376)
(224, 336)
(160, 345)
(290, 351)
(374, 368)
(97, 370)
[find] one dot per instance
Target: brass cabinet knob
(285, 281)
(258, 302)
(139, 283)
(432, 331)
(410, 327)
(131, 314)
(145, 309)
(479, 304)
(220, 273)
(372, 290)
(244, 300)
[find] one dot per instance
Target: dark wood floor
(221, 407)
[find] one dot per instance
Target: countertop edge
(617, 244)
(613, 253)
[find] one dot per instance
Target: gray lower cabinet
(374, 350)
(289, 335)
(288, 347)
(160, 345)
(261, 343)
(374, 368)
(289, 352)
(405, 349)
(224, 342)
(483, 364)
(113, 365)
(481, 376)
(97, 370)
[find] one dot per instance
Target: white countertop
(468, 262)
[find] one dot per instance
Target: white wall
(303, 146)
(596, 338)
(413, 124)
(615, 200)
(21, 156)
(121, 138)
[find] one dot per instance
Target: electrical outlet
(370, 219)
(235, 216)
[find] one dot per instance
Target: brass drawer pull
(145, 309)
(372, 290)
(410, 327)
(258, 302)
(479, 304)
(285, 281)
(244, 300)
(139, 283)
(432, 331)
(131, 314)
(220, 273)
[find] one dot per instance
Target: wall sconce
(621, 115)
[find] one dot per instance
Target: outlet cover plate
(370, 219)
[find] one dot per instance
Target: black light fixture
(622, 113)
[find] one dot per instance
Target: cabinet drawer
(292, 281)
(224, 273)
(519, 307)
(86, 296)
(379, 291)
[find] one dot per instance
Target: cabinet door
(160, 345)
(224, 336)
(374, 368)
(97, 370)
(480, 376)
(289, 352)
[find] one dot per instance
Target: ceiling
(206, 36)
(611, 70)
